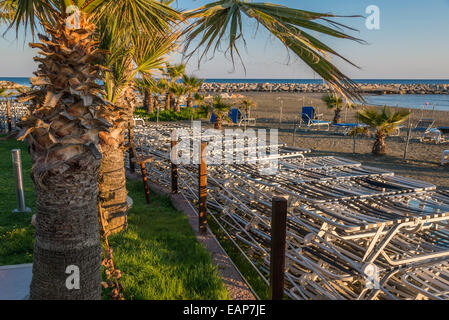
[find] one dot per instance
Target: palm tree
(334, 102)
(173, 72)
(66, 122)
(146, 87)
(71, 128)
(384, 123)
(199, 99)
(220, 108)
(177, 91)
(147, 56)
(193, 84)
(164, 86)
(247, 104)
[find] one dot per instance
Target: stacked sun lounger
(18, 111)
(353, 232)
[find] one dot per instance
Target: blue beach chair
(234, 114)
(309, 119)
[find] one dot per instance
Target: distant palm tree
(163, 86)
(334, 102)
(247, 104)
(220, 108)
(193, 84)
(147, 86)
(177, 91)
(384, 122)
(199, 99)
(173, 72)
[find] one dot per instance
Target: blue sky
(412, 43)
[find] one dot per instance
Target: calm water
(413, 101)
(441, 102)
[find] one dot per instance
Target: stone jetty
(323, 88)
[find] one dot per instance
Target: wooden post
(143, 169)
(409, 134)
(8, 114)
(280, 114)
(174, 167)
(294, 134)
(202, 192)
(131, 146)
(355, 136)
(278, 243)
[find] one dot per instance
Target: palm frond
(150, 53)
(223, 19)
(192, 82)
(7, 11)
(131, 17)
(385, 120)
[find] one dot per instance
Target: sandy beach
(423, 160)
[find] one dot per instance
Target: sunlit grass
(159, 255)
(16, 232)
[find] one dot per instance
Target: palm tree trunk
(148, 101)
(67, 233)
(8, 115)
(218, 123)
(190, 100)
(150, 108)
(112, 175)
(337, 117)
(172, 102)
(112, 187)
(380, 146)
(178, 105)
(156, 103)
(63, 138)
(145, 100)
(167, 101)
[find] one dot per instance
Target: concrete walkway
(15, 281)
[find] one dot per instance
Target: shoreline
(365, 88)
(269, 108)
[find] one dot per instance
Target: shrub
(168, 115)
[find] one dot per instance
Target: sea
(412, 101)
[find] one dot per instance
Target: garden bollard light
(17, 163)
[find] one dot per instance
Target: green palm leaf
(223, 19)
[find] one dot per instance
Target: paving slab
(15, 281)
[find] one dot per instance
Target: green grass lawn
(159, 255)
(16, 232)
